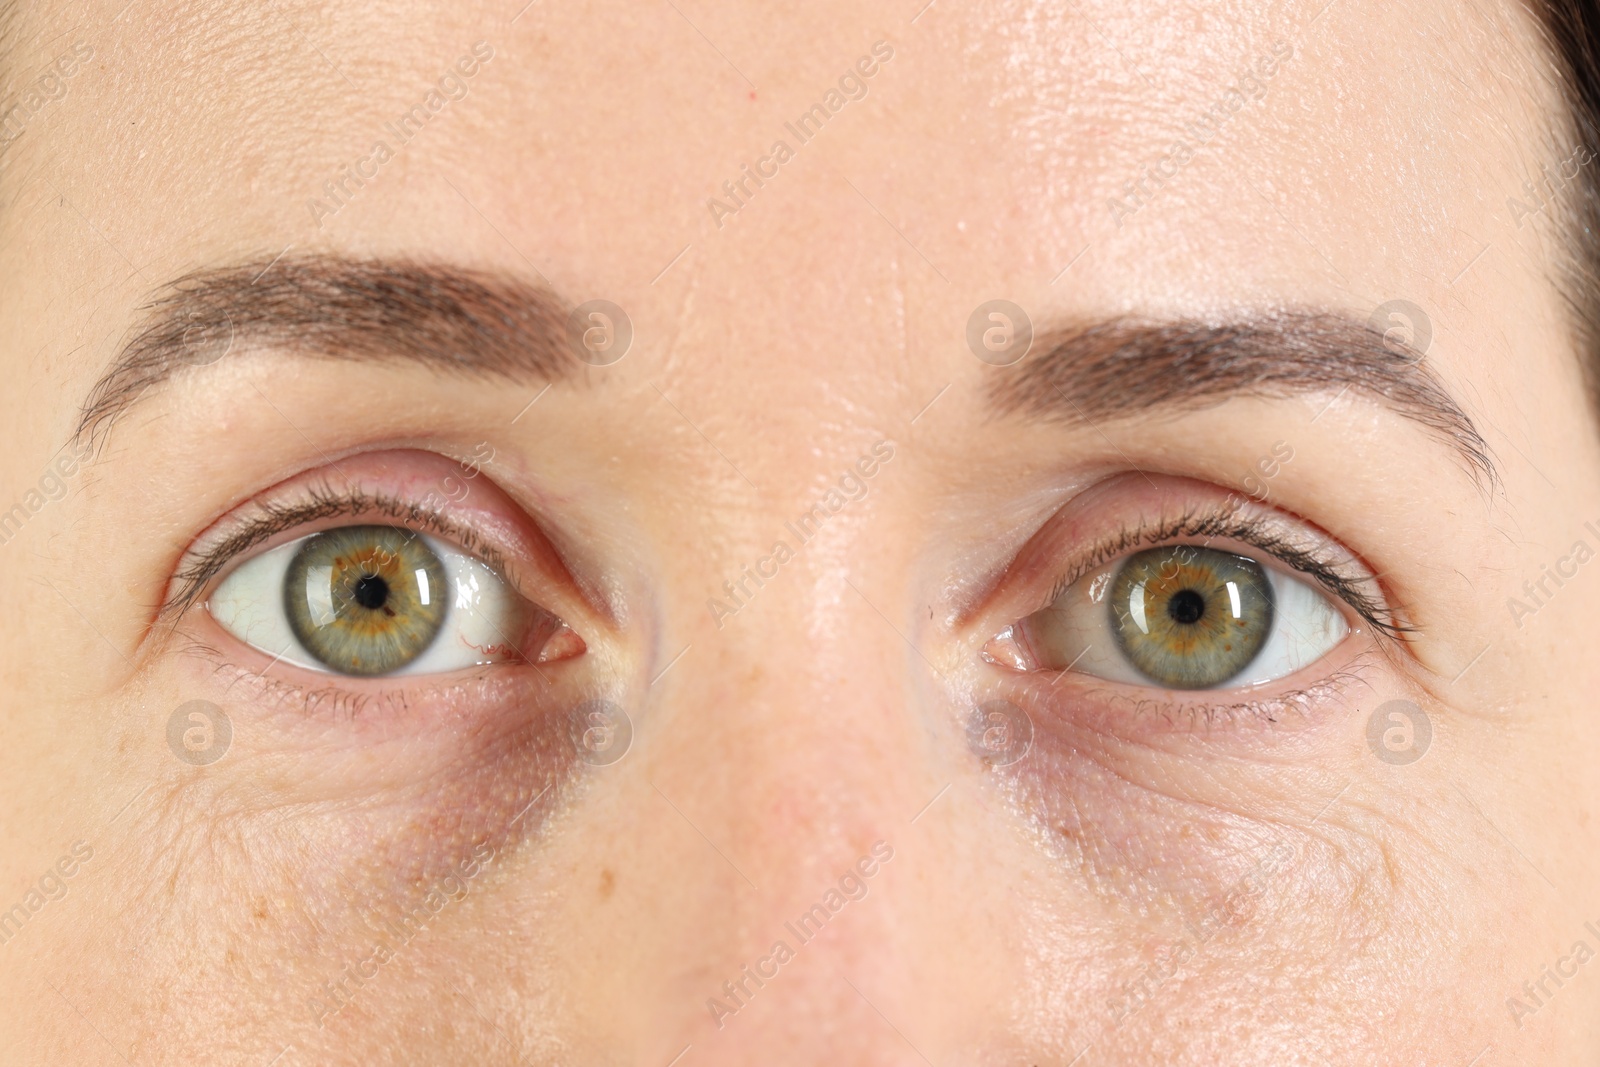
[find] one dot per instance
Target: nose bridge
(791, 742)
(792, 715)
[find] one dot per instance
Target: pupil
(1186, 606)
(371, 592)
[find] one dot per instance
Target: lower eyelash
(330, 701)
(1266, 713)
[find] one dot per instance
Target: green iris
(366, 600)
(1190, 617)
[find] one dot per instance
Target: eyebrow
(448, 319)
(1123, 367)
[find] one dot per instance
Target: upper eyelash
(324, 502)
(320, 502)
(1228, 524)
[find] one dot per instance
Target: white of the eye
(1305, 627)
(484, 613)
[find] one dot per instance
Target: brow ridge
(1128, 366)
(446, 318)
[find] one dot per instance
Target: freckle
(608, 883)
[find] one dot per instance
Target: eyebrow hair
(1128, 366)
(445, 318)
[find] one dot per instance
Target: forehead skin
(773, 346)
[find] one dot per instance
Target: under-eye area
(1147, 832)
(336, 816)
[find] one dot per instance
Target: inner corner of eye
(371, 600)
(1009, 648)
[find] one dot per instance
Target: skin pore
(425, 868)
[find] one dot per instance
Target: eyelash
(1212, 525)
(325, 502)
(1268, 711)
(321, 502)
(336, 700)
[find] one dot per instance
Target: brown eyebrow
(446, 318)
(1125, 366)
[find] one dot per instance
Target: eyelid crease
(1211, 524)
(320, 502)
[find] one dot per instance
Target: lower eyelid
(1140, 715)
(407, 704)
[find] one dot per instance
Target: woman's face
(568, 562)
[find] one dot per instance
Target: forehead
(836, 185)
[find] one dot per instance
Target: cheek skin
(1217, 857)
(380, 816)
(325, 832)
(1187, 831)
(1208, 896)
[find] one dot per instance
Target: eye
(375, 600)
(1183, 617)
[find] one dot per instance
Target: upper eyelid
(1263, 536)
(201, 568)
